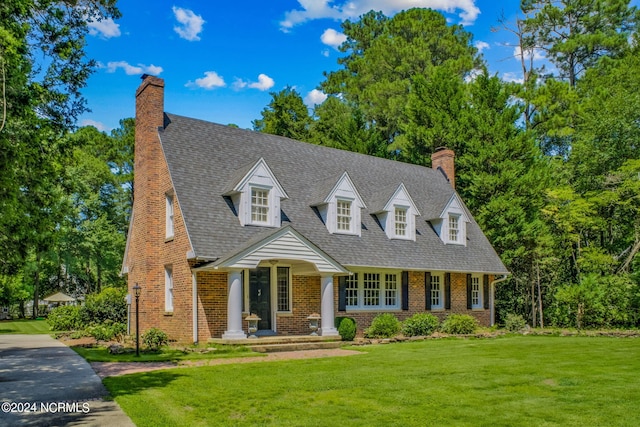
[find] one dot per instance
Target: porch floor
(274, 343)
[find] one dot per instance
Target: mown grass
(509, 381)
(24, 326)
(167, 354)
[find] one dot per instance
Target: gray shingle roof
(205, 159)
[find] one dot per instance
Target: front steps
(274, 344)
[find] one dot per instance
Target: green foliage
(347, 328)
(384, 325)
(107, 331)
(108, 305)
(286, 115)
(459, 324)
(420, 324)
(65, 318)
(514, 323)
(155, 338)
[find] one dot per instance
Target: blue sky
(220, 59)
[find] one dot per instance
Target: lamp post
(136, 292)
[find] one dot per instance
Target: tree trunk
(539, 296)
(36, 285)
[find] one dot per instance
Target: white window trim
(277, 293)
(477, 280)
(168, 288)
(269, 205)
(169, 216)
(458, 229)
(382, 291)
(351, 216)
(440, 305)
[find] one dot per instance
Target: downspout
(492, 306)
(194, 309)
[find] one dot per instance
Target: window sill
(372, 309)
(478, 309)
(438, 309)
(168, 313)
(284, 314)
(169, 239)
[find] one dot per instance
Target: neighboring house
(228, 222)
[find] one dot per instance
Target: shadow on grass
(133, 384)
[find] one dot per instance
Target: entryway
(260, 298)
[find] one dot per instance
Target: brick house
(228, 222)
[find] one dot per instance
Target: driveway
(45, 383)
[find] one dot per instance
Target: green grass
(509, 381)
(101, 354)
(24, 327)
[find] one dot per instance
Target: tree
(286, 115)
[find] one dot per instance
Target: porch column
(234, 306)
(327, 322)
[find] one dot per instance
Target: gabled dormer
(341, 207)
(256, 196)
(398, 215)
(451, 226)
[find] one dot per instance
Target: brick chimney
(443, 159)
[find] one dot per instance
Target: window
(372, 290)
(454, 228)
(259, 205)
(168, 288)
(169, 216)
(352, 289)
(343, 215)
(436, 292)
(476, 299)
(284, 292)
(401, 221)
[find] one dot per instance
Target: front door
(260, 296)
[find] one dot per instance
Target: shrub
(107, 331)
(110, 304)
(347, 328)
(459, 324)
(384, 325)
(514, 322)
(155, 338)
(65, 318)
(420, 324)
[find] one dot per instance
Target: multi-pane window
(169, 216)
(343, 215)
(436, 291)
(168, 288)
(371, 287)
(391, 289)
(284, 294)
(476, 300)
(259, 205)
(401, 221)
(352, 289)
(454, 228)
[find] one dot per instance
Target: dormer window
(454, 228)
(340, 205)
(451, 226)
(343, 215)
(256, 196)
(397, 213)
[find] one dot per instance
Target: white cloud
(264, 83)
(315, 97)
(191, 24)
(473, 74)
(538, 54)
(349, 9)
(106, 28)
(512, 77)
(131, 70)
(480, 45)
(332, 38)
(98, 125)
(211, 80)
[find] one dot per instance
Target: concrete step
(297, 346)
(277, 339)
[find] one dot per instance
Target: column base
(234, 335)
(329, 332)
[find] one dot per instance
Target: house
(228, 222)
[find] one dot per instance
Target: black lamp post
(136, 292)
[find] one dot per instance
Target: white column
(327, 322)
(234, 307)
(194, 305)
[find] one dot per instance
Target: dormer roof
(399, 196)
(331, 188)
(255, 172)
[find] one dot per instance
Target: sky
(221, 59)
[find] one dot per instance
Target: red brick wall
(305, 300)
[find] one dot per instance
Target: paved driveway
(45, 383)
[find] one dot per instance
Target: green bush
(155, 338)
(420, 324)
(514, 322)
(107, 331)
(384, 325)
(65, 318)
(110, 304)
(459, 324)
(347, 328)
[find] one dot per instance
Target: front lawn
(514, 380)
(167, 354)
(24, 326)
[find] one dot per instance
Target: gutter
(492, 291)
